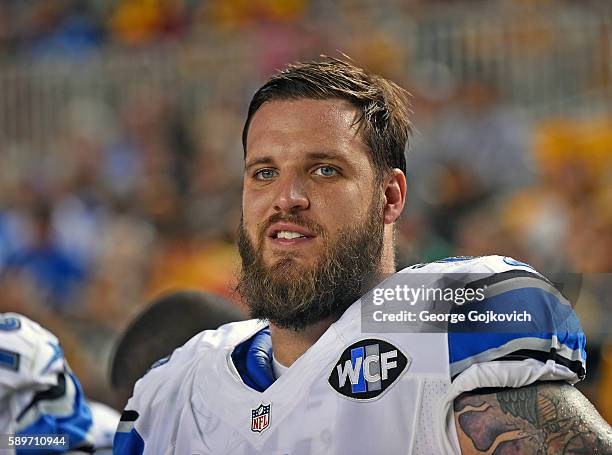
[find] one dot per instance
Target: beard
(294, 297)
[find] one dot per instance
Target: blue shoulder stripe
(553, 326)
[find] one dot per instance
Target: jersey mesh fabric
(426, 442)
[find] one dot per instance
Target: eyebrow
(329, 156)
(309, 155)
(324, 156)
(258, 161)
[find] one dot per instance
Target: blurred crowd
(133, 197)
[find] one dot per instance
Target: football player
(324, 183)
(39, 394)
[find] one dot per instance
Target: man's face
(312, 225)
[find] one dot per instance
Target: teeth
(288, 235)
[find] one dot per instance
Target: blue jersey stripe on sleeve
(550, 318)
(128, 443)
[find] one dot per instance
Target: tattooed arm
(543, 418)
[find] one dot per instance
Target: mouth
(289, 234)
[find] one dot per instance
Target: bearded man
(324, 183)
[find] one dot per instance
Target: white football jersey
(38, 392)
(105, 420)
(28, 363)
(354, 391)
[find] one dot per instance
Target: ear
(395, 195)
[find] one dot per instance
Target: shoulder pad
(470, 264)
(30, 356)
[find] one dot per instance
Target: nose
(291, 195)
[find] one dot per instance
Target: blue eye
(265, 174)
(326, 171)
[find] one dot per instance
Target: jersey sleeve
(143, 408)
(154, 413)
(46, 396)
(541, 340)
(105, 420)
(523, 318)
(148, 418)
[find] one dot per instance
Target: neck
(288, 345)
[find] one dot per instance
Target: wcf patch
(367, 368)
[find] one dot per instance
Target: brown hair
(383, 104)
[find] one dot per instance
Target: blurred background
(121, 161)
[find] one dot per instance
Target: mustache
(296, 219)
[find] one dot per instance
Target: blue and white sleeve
(547, 346)
(45, 395)
(545, 337)
(59, 410)
(127, 439)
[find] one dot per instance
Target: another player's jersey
(38, 392)
(105, 420)
(354, 391)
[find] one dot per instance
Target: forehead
(307, 124)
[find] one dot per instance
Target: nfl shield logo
(260, 418)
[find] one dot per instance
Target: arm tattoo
(520, 403)
(543, 419)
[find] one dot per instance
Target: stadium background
(121, 161)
